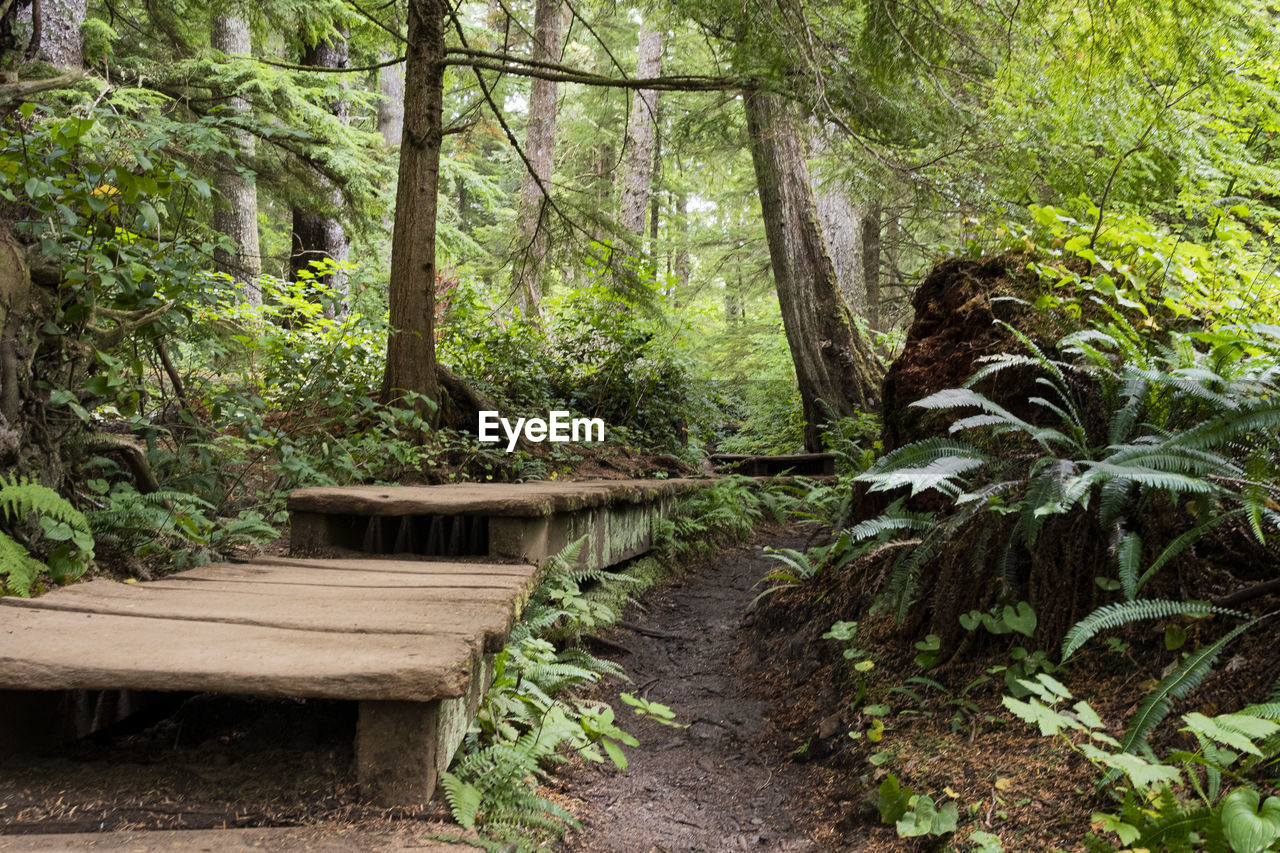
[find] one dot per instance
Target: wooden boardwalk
(411, 637)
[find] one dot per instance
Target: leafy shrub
(599, 354)
(1191, 798)
(171, 528)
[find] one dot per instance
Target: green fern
(1186, 678)
(61, 523)
(1129, 559)
(929, 464)
(18, 568)
(1122, 613)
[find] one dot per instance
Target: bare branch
(321, 69)
(520, 67)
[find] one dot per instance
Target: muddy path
(727, 781)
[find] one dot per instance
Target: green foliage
(597, 354)
(914, 814)
(172, 528)
(728, 509)
(1122, 613)
(1173, 426)
(108, 203)
(68, 552)
(530, 711)
(1176, 685)
(1192, 797)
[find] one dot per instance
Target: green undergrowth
(539, 711)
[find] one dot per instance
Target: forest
(1012, 266)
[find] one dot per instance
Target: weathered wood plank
(388, 594)
(491, 499)
(250, 573)
(42, 649)
(412, 566)
(331, 609)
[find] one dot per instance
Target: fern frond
(893, 518)
(1122, 613)
(1176, 686)
(1128, 559)
(1265, 710)
(1261, 416)
(1151, 478)
(1180, 544)
(17, 567)
(464, 799)
(20, 496)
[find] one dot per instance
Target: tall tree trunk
(841, 230)
(655, 179)
(411, 354)
(235, 209)
(391, 107)
(638, 168)
(892, 253)
(835, 368)
(682, 251)
(540, 142)
(869, 236)
(55, 32)
(318, 236)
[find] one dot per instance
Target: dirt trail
(722, 783)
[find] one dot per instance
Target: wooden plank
(387, 594)
(361, 579)
(490, 499)
(45, 649)
(424, 566)
(331, 609)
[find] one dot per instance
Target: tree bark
(638, 167)
(317, 235)
(869, 236)
(841, 230)
(682, 269)
(835, 368)
(655, 179)
(391, 107)
(55, 32)
(411, 355)
(540, 140)
(235, 208)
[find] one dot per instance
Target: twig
(610, 645)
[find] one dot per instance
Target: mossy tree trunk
(837, 372)
(411, 354)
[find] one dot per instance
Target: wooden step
(412, 641)
(794, 464)
(529, 522)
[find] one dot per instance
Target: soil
(726, 779)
